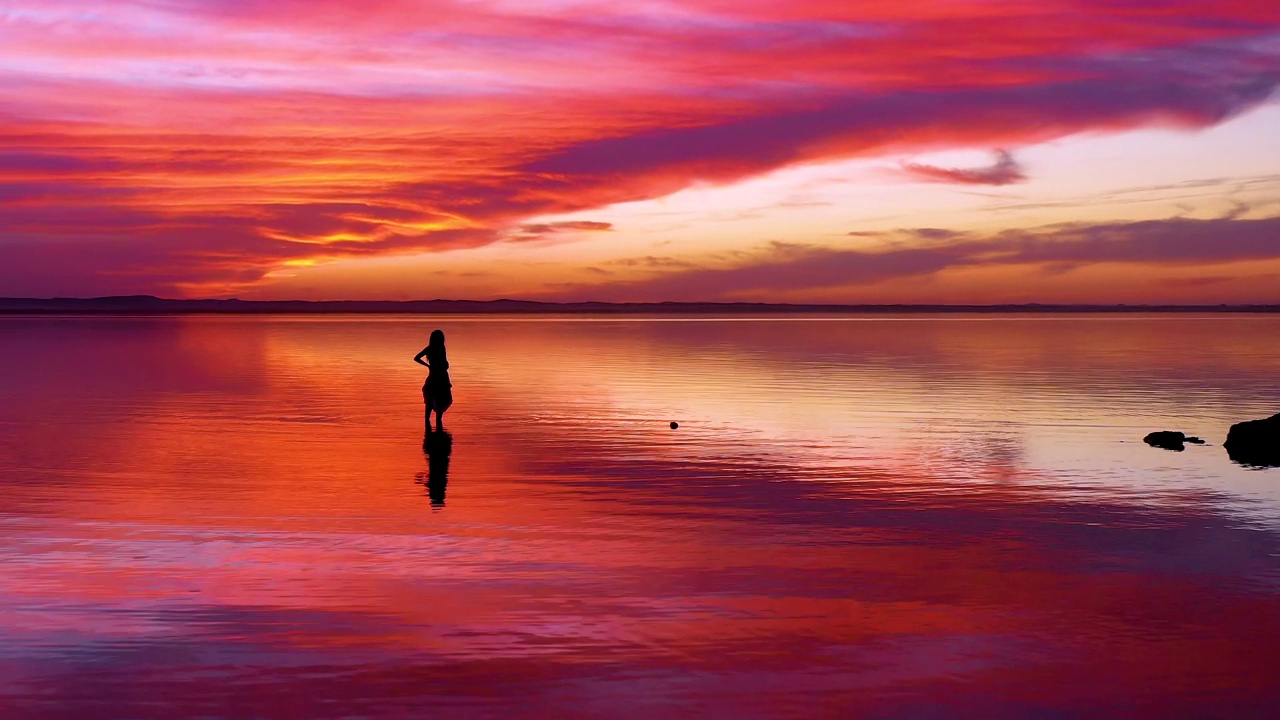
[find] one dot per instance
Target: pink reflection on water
(854, 519)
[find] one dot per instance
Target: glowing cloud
(194, 148)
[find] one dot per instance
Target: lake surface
(881, 517)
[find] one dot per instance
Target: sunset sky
(965, 151)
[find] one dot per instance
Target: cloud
(1004, 171)
(920, 253)
(539, 231)
(257, 134)
(861, 122)
(929, 233)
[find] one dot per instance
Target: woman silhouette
(436, 391)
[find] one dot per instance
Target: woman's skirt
(437, 395)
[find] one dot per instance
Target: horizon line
(121, 304)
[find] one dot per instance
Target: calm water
(219, 517)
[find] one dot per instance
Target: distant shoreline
(148, 305)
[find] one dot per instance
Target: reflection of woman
(437, 446)
(436, 391)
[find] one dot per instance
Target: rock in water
(1256, 442)
(1167, 439)
(674, 425)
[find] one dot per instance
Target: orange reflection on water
(856, 517)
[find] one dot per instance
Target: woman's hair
(437, 339)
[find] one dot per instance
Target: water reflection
(857, 518)
(437, 445)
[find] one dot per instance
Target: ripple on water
(944, 517)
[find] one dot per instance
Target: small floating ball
(675, 425)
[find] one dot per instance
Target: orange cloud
(177, 148)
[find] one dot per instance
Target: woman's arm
(418, 358)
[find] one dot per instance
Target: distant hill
(149, 305)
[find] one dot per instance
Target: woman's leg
(439, 419)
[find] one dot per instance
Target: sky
(936, 151)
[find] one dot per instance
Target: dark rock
(1194, 440)
(1167, 439)
(1256, 442)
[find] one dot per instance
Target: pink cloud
(1004, 171)
(186, 137)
